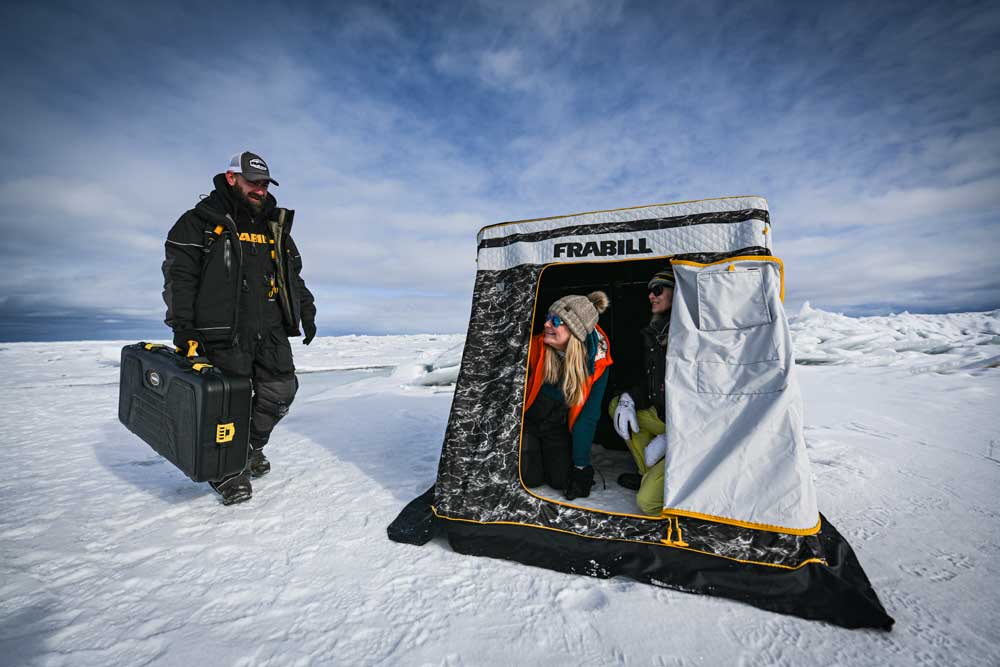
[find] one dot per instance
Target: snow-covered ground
(110, 556)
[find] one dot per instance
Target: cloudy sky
(398, 129)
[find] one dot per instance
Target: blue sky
(397, 130)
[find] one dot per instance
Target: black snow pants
(267, 359)
(546, 446)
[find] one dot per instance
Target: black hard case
(194, 416)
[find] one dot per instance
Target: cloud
(505, 67)
(397, 134)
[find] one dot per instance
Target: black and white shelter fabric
(751, 535)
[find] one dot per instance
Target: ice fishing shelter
(739, 517)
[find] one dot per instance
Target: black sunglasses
(657, 290)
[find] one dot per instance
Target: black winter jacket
(203, 273)
(649, 388)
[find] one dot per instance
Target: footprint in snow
(928, 571)
(584, 599)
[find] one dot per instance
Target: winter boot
(258, 465)
(580, 481)
(630, 480)
(233, 489)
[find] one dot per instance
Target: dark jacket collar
(222, 201)
(658, 328)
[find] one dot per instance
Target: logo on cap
(257, 163)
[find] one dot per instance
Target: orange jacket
(536, 371)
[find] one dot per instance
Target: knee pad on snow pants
(271, 400)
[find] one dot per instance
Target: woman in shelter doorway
(567, 366)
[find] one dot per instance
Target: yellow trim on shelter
(672, 512)
(672, 544)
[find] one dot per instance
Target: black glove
(580, 481)
(183, 340)
(310, 330)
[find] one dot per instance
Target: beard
(249, 200)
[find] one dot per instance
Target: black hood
(222, 201)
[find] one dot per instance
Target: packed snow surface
(110, 556)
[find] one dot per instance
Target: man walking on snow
(234, 294)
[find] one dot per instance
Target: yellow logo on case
(225, 432)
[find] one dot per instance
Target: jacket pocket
(732, 300)
(280, 354)
(215, 302)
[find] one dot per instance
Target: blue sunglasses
(555, 319)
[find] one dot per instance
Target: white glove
(656, 449)
(625, 418)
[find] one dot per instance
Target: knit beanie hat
(664, 277)
(580, 313)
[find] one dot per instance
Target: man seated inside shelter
(639, 413)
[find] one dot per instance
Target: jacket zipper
(234, 337)
(277, 231)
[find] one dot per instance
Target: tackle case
(191, 413)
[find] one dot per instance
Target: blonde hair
(569, 372)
